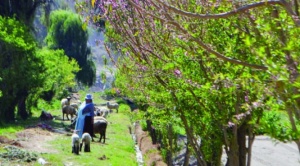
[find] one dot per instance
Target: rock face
(99, 55)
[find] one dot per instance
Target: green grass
(118, 149)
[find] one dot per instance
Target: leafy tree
(18, 67)
(23, 11)
(68, 32)
(27, 73)
(218, 66)
(59, 73)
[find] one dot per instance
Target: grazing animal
(68, 110)
(101, 111)
(65, 101)
(113, 106)
(100, 125)
(75, 143)
(75, 104)
(86, 140)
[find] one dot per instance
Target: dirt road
(267, 152)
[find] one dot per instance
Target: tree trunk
(170, 142)
(242, 144)
(9, 113)
(233, 153)
(293, 123)
(8, 104)
(187, 154)
(22, 108)
(250, 143)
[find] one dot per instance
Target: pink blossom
(177, 73)
(247, 98)
(231, 124)
(240, 116)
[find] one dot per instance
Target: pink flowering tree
(216, 68)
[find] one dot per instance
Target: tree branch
(199, 42)
(242, 9)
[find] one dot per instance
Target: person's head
(88, 98)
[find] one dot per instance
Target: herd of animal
(99, 127)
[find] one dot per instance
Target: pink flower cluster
(177, 73)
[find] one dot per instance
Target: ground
(36, 139)
(265, 151)
(32, 139)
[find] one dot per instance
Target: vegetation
(68, 32)
(119, 143)
(27, 72)
(217, 68)
(218, 71)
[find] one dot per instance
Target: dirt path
(36, 139)
(269, 153)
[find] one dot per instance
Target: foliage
(18, 62)
(41, 72)
(67, 32)
(212, 66)
(59, 72)
(277, 125)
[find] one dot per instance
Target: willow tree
(68, 32)
(218, 66)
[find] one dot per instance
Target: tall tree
(68, 32)
(218, 66)
(23, 11)
(18, 67)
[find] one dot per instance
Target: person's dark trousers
(89, 125)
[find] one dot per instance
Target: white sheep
(100, 125)
(101, 111)
(75, 143)
(86, 140)
(65, 101)
(75, 104)
(68, 110)
(112, 106)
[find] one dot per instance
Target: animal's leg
(87, 148)
(80, 146)
(104, 137)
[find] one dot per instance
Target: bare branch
(242, 9)
(199, 42)
(221, 15)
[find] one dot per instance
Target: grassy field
(118, 149)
